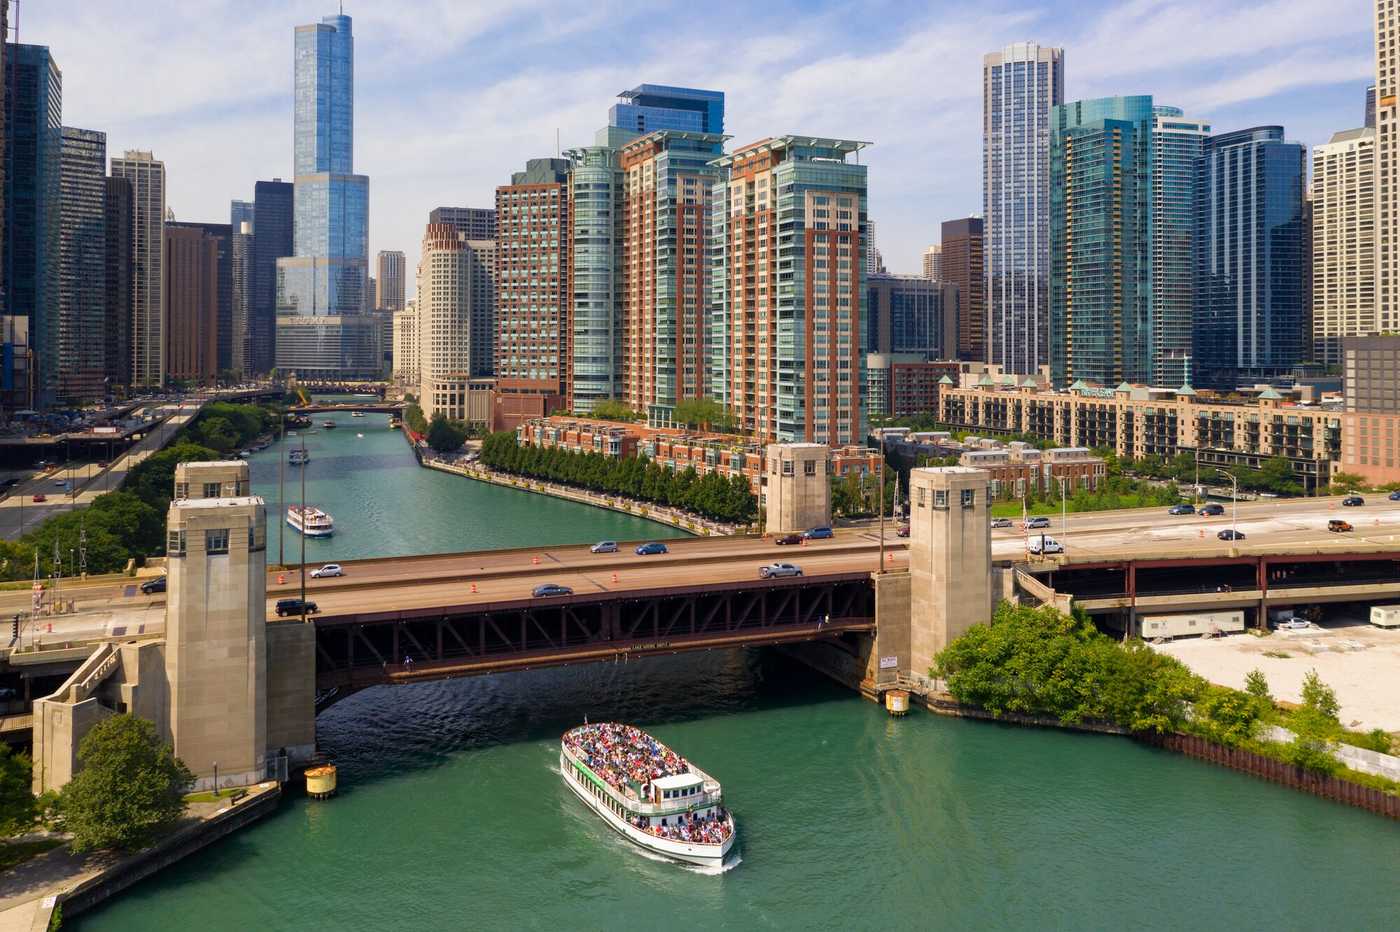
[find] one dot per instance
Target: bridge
(369, 407)
(326, 387)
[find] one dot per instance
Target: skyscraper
(389, 280)
(651, 107)
(1343, 242)
(1019, 86)
(964, 264)
(147, 179)
(595, 273)
(1100, 240)
(475, 223)
(120, 235)
(33, 155)
(933, 262)
(666, 277)
(1387, 166)
(1249, 257)
(874, 262)
(192, 302)
(222, 235)
(788, 289)
(5, 377)
(239, 213)
(272, 240)
(240, 295)
(82, 275)
(533, 333)
(1177, 143)
(322, 297)
(910, 314)
(455, 303)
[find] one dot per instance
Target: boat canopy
(680, 781)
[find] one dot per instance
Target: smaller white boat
(310, 521)
(360, 436)
(357, 414)
(298, 457)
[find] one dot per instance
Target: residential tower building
(147, 178)
(388, 288)
(964, 265)
(82, 271)
(595, 274)
(648, 108)
(1387, 118)
(119, 240)
(1177, 145)
(933, 262)
(1343, 242)
(456, 300)
(192, 300)
(272, 240)
(912, 314)
(475, 223)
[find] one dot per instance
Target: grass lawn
(18, 852)
(209, 796)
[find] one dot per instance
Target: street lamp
(1064, 514)
(881, 567)
(1234, 502)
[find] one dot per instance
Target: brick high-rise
(963, 265)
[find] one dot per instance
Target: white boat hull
(318, 532)
(702, 855)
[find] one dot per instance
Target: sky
(454, 95)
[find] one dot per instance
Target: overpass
(370, 407)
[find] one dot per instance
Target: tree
(129, 786)
(445, 436)
(1320, 697)
(16, 802)
(705, 413)
(613, 410)
(1257, 687)
(1343, 482)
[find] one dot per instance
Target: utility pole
(281, 491)
(881, 567)
(303, 527)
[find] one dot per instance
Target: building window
(211, 490)
(969, 497)
(182, 490)
(787, 467)
(175, 543)
(216, 541)
(809, 468)
(920, 499)
(940, 498)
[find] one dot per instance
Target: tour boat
(357, 414)
(647, 793)
(298, 457)
(313, 522)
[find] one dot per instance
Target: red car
(903, 531)
(40, 497)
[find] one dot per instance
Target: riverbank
(64, 883)
(685, 521)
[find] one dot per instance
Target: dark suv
(295, 607)
(1214, 508)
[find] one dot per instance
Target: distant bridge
(369, 407)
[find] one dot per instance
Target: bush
(17, 807)
(129, 786)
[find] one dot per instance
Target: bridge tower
(798, 488)
(950, 560)
(215, 637)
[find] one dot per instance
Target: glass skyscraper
(1019, 86)
(1177, 143)
(327, 274)
(82, 286)
(650, 107)
(1248, 257)
(1101, 240)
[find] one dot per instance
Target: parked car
(1230, 534)
(1293, 624)
(1394, 496)
(548, 589)
(1038, 521)
(604, 546)
(646, 550)
(1042, 546)
(327, 571)
(295, 607)
(1337, 524)
(1353, 501)
(40, 497)
(903, 531)
(1213, 509)
(1182, 509)
(61, 483)
(1001, 522)
(788, 539)
(779, 569)
(818, 533)
(153, 585)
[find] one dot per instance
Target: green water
(452, 813)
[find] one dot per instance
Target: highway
(446, 579)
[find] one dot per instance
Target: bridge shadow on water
(388, 731)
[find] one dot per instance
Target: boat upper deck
(638, 766)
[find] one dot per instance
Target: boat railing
(709, 797)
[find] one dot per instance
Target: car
(645, 550)
(61, 483)
(604, 546)
(1394, 496)
(1293, 624)
(40, 497)
(295, 607)
(1001, 522)
(818, 533)
(1213, 509)
(1230, 534)
(1043, 546)
(903, 531)
(779, 569)
(103, 465)
(327, 571)
(1353, 501)
(153, 585)
(548, 589)
(1031, 524)
(1182, 509)
(788, 539)
(1337, 524)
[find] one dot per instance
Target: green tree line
(722, 498)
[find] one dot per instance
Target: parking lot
(1359, 661)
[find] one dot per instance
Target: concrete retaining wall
(1359, 759)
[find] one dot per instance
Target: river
(452, 813)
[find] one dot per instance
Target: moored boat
(310, 521)
(298, 457)
(328, 425)
(647, 793)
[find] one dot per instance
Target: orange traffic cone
(473, 587)
(889, 557)
(614, 577)
(535, 560)
(281, 579)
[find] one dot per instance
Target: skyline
(491, 87)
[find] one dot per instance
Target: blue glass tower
(327, 274)
(1249, 257)
(1101, 240)
(650, 107)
